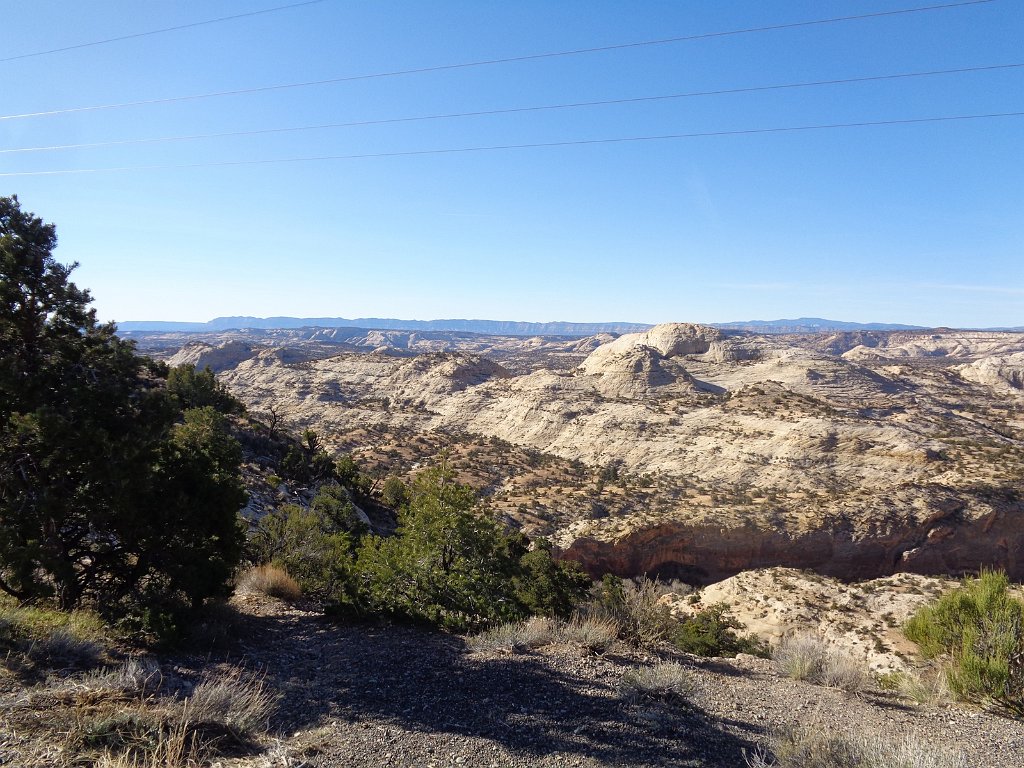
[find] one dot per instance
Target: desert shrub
(927, 687)
(665, 681)
(825, 748)
(801, 656)
(307, 462)
(271, 580)
(712, 632)
(238, 702)
(136, 677)
(393, 493)
(807, 657)
(308, 547)
(332, 502)
(643, 621)
(596, 635)
(198, 389)
(549, 587)
(592, 633)
(516, 636)
(348, 473)
(446, 565)
(844, 672)
(979, 629)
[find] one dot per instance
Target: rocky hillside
(685, 450)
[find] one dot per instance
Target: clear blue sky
(919, 223)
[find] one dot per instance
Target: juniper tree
(101, 495)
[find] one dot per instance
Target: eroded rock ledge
(954, 539)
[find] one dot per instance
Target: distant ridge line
(491, 327)
(509, 327)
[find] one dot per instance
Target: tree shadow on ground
(422, 680)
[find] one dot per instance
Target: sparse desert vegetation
(426, 556)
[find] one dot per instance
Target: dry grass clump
(135, 677)
(633, 605)
(517, 636)
(928, 688)
(177, 748)
(62, 648)
(665, 681)
(596, 635)
(808, 657)
(271, 580)
(124, 717)
(821, 748)
(234, 701)
(800, 657)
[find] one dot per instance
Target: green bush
(450, 565)
(634, 606)
(198, 389)
(307, 462)
(549, 587)
(446, 564)
(712, 632)
(979, 629)
(393, 493)
(316, 553)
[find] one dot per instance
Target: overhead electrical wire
(160, 31)
(500, 147)
(510, 110)
(490, 62)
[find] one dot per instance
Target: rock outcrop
(218, 358)
(1005, 372)
(947, 536)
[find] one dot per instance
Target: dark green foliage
(347, 472)
(102, 497)
(309, 547)
(712, 632)
(979, 628)
(393, 493)
(332, 503)
(198, 389)
(307, 463)
(549, 587)
(446, 565)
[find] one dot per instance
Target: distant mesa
(490, 327)
(803, 325)
(812, 325)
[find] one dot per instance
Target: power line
(510, 110)
(160, 31)
(499, 147)
(490, 62)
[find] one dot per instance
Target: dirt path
(400, 696)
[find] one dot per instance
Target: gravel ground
(400, 696)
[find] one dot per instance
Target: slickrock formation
(855, 454)
(218, 358)
(1000, 371)
(862, 619)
